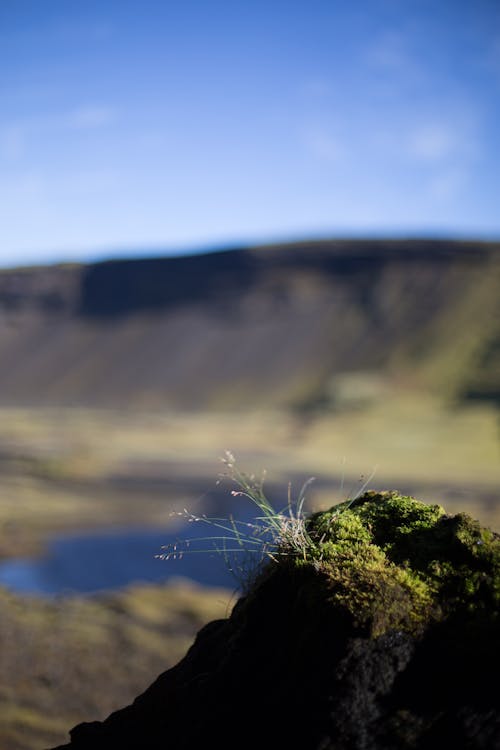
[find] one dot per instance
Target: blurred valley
(123, 382)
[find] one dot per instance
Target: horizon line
(192, 250)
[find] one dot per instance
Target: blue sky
(140, 127)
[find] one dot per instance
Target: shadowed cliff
(276, 325)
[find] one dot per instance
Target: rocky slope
(281, 325)
(382, 634)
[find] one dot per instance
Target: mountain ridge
(275, 324)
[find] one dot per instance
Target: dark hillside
(271, 325)
(122, 287)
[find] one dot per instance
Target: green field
(71, 469)
(76, 659)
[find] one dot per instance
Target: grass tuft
(273, 534)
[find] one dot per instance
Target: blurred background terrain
(270, 229)
(350, 361)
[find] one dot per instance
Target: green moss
(391, 562)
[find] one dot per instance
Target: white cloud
(324, 146)
(22, 187)
(82, 117)
(390, 58)
(101, 32)
(491, 59)
(452, 137)
(434, 142)
(88, 117)
(12, 142)
(17, 135)
(389, 50)
(316, 88)
(447, 185)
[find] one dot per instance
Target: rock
(385, 637)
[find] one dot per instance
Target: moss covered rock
(395, 563)
(384, 637)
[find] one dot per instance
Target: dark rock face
(289, 669)
(251, 683)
